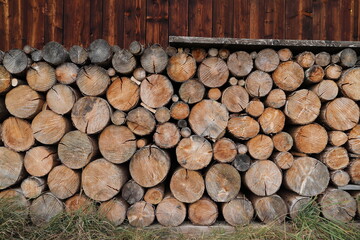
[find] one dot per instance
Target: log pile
(198, 134)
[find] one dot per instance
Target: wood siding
(78, 22)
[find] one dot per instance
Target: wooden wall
(71, 22)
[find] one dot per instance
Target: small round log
(15, 61)
(285, 54)
(307, 177)
(213, 72)
(181, 67)
(118, 118)
(194, 153)
(185, 132)
(154, 59)
(100, 52)
(33, 187)
(37, 55)
(354, 171)
(117, 144)
(214, 94)
(155, 194)
(295, 203)
(333, 71)
(132, 192)
(124, 62)
(242, 162)
(339, 138)
(322, 59)
(78, 55)
(258, 84)
(224, 53)
(61, 98)
(326, 90)
(199, 54)
(243, 127)
(348, 57)
(167, 135)
(76, 149)
(5, 80)
(267, 60)
(238, 212)
(39, 161)
(17, 134)
(314, 74)
(141, 214)
(66, 73)
(91, 114)
(63, 182)
(140, 121)
(270, 209)
(240, 63)
(203, 212)
(288, 76)
(225, 150)
(78, 203)
(192, 91)
(149, 166)
(114, 210)
(260, 147)
(349, 83)
(272, 120)
(255, 108)
(276, 98)
(235, 98)
(353, 143)
(305, 59)
(156, 90)
(222, 182)
(11, 165)
(263, 178)
(54, 53)
(102, 180)
(44, 208)
(162, 115)
(139, 74)
(170, 212)
(306, 141)
(136, 48)
(179, 110)
(92, 80)
(283, 141)
(339, 178)
(335, 158)
(213, 52)
(283, 160)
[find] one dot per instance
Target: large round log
(272, 120)
(26, 106)
(335, 158)
(156, 90)
(181, 67)
(124, 62)
(240, 63)
(41, 76)
(194, 152)
(258, 83)
(141, 214)
(349, 83)
(283, 141)
(102, 180)
(270, 209)
(353, 141)
(235, 98)
(33, 187)
(49, 127)
(117, 144)
(15, 61)
(17, 134)
(307, 177)
(222, 182)
(192, 91)
(267, 60)
(44, 208)
(76, 149)
(149, 166)
(61, 98)
(100, 51)
(114, 210)
(302, 107)
(338, 205)
(326, 90)
(276, 98)
(203, 212)
(66, 73)
(91, 114)
(260, 147)
(39, 161)
(340, 114)
(238, 212)
(132, 192)
(11, 167)
(208, 118)
(306, 141)
(5, 80)
(167, 135)
(63, 182)
(140, 121)
(213, 72)
(170, 212)
(92, 80)
(225, 150)
(78, 55)
(288, 76)
(123, 94)
(54, 53)
(187, 185)
(295, 203)
(154, 59)
(263, 178)
(243, 127)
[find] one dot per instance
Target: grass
(309, 225)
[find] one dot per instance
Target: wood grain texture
(134, 21)
(178, 17)
(54, 10)
(200, 18)
(113, 22)
(157, 21)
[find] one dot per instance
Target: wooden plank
(17, 14)
(178, 18)
(223, 18)
(298, 19)
(319, 20)
(96, 19)
(113, 22)
(34, 21)
(54, 21)
(5, 26)
(241, 19)
(278, 26)
(306, 19)
(76, 23)
(134, 21)
(347, 19)
(157, 24)
(333, 27)
(356, 10)
(256, 17)
(200, 18)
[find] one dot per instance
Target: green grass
(309, 225)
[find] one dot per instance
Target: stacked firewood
(169, 134)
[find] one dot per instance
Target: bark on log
(283, 160)
(272, 120)
(283, 141)
(124, 62)
(199, 54)
(288, 76)
(16, 61)
(305, 59)
(225, 150)
(181, 67)
(243, 127)
(141, 214)
(117, 144)
(340, 114)
(39, 161)
(314, 74)
(326, 90)
(156, 90)
(76, 149)
(26, 106)
(349, 83)
(354, 171)
(100, 52)
(258, 84)
(91, 114)
(340, 178)
(54, 53)
(102, 180)
(17, 134)
(335, 158)
(61, 98)
(92, 80)
(66, 73)
(5, 80)
(140, 121)
(240, 63)
(209, 119)
(63, 182)
(118, 118)
(307, 177)
(114, 210)
(353, 141)
(285, 54)
(222, 182)
(154, 59)
(187, 185)
(44, 208)
(238, 212)
(149, 166)
(242, 162)
(11, 165)
(33, 187)
(263, 178)
(162, 115)
(132, 192)
(267, 60)
(302, 107)
(295, 203)
(260, 147)
(255, 108)
(170, 212)
(213, 72)
(179, 110)
(224, 53)
(192, 91)
(78, 203)
(167, 135)
(203, 212)
(348, 57)
(276, 98)
(78, 55)
(306, 141)
(333, 71)
(194, 153)
(270, 209)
